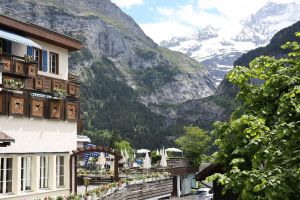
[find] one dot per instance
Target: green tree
(115, 137)
(259, 146)
(195, 143)
(124, 145)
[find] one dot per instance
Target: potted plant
(59, 198)
(59, 93)
(27, 58)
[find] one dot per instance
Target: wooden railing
(26, 93)
(19, 74)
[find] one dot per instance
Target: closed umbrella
(101, 159)
(126, 156)
(122, 154)
(163, 160)
(147, 162)
(157, 152)
(112, 167)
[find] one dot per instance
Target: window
(1, 46)
(5, 175)
(44, 172)
(60, 171)
(37, 56)
(26, 168)
(53, 63)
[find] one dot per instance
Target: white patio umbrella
(163, 161)
(147, 162)
(143, 151)
(173, 150)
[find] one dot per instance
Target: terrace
(103, 173)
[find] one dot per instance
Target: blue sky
(164, 19)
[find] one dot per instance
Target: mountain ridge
(219, 52)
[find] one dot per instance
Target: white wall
(38, 135)
(63, 60)
(39, 195)
(21, 50)
(18, 49)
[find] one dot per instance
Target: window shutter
(8, 46)
(29, 50)
(45, 61)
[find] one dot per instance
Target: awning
(5, 140)
(19, 39)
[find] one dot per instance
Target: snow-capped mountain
(218, 52)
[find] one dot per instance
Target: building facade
(39, 110)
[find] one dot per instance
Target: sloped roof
(208, 171)
(40, 33)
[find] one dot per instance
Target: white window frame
(60, 173)
(56, 64)
(44, 172)
(26, 171)
(4, 182)
(37, 56)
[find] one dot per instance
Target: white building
(39, 110)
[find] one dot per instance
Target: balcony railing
(25, 105)
(21, 74)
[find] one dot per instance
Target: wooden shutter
(29, 50)
(8, 46)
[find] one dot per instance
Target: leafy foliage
(259, 146)
(194, 143)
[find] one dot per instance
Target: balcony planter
(13, 84)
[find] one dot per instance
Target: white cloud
(165, 30)
(127, 3)
(200, 13)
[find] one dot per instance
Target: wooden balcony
(25, 105)
(19, 74)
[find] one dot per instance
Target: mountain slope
(122, 69)
(218, 52)
(272, 49)
(220, 106)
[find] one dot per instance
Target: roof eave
(40, 33)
